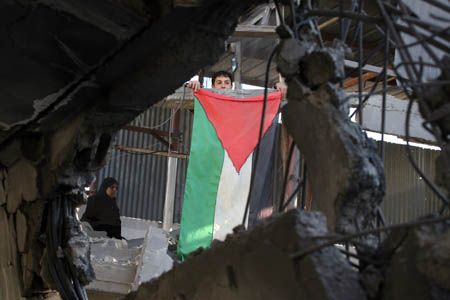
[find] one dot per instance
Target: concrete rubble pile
(411, 264)
(121, 265)
(259, 264)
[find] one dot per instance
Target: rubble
(257, 265)
(154, 259)
(420, 265)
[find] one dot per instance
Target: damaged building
(96, 89)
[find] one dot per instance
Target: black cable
(286, 175)
(360, 54)
(383, 103)
(372, 89)
(366, 60)
(348, 23)
(291, 197)
(255, 163)
(341, 33)
(51, 250)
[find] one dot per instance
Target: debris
(420, 265)
(256, 265)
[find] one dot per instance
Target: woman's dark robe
(102, 211)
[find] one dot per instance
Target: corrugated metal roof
(142, 177)
(407, 195)
(428, 13)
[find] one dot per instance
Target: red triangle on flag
(237, 121)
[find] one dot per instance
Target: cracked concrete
(257, 265)
(317, 118)
(72, 74)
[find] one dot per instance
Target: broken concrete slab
(419, 267)
(134, 228)
(257, 265)
(154, 259)
(114, 265)
(22, 184)
(356, 184)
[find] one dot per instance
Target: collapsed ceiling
(75, 72)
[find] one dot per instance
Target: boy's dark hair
(222, 73)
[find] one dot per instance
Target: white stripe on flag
(232, 196)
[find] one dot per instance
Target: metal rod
(360, 54)
(383, 104)
(345, 238)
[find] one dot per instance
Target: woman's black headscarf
(102, 211)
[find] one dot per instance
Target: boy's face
(222, 82)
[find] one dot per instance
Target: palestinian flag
(224, 136)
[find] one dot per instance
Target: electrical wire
(173, 113)
(255, 162)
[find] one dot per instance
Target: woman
(102, 211)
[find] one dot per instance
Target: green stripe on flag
(202, 180)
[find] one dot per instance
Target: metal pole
(172, 163)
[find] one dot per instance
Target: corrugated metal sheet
(407, 195)
(142, 177)
(427, 13)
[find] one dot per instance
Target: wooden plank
(148, 130)
(258, 13)
(187, 3)
(149, 151)
(354, 81)
(255, 31)
(329, 22)
(367, 68)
